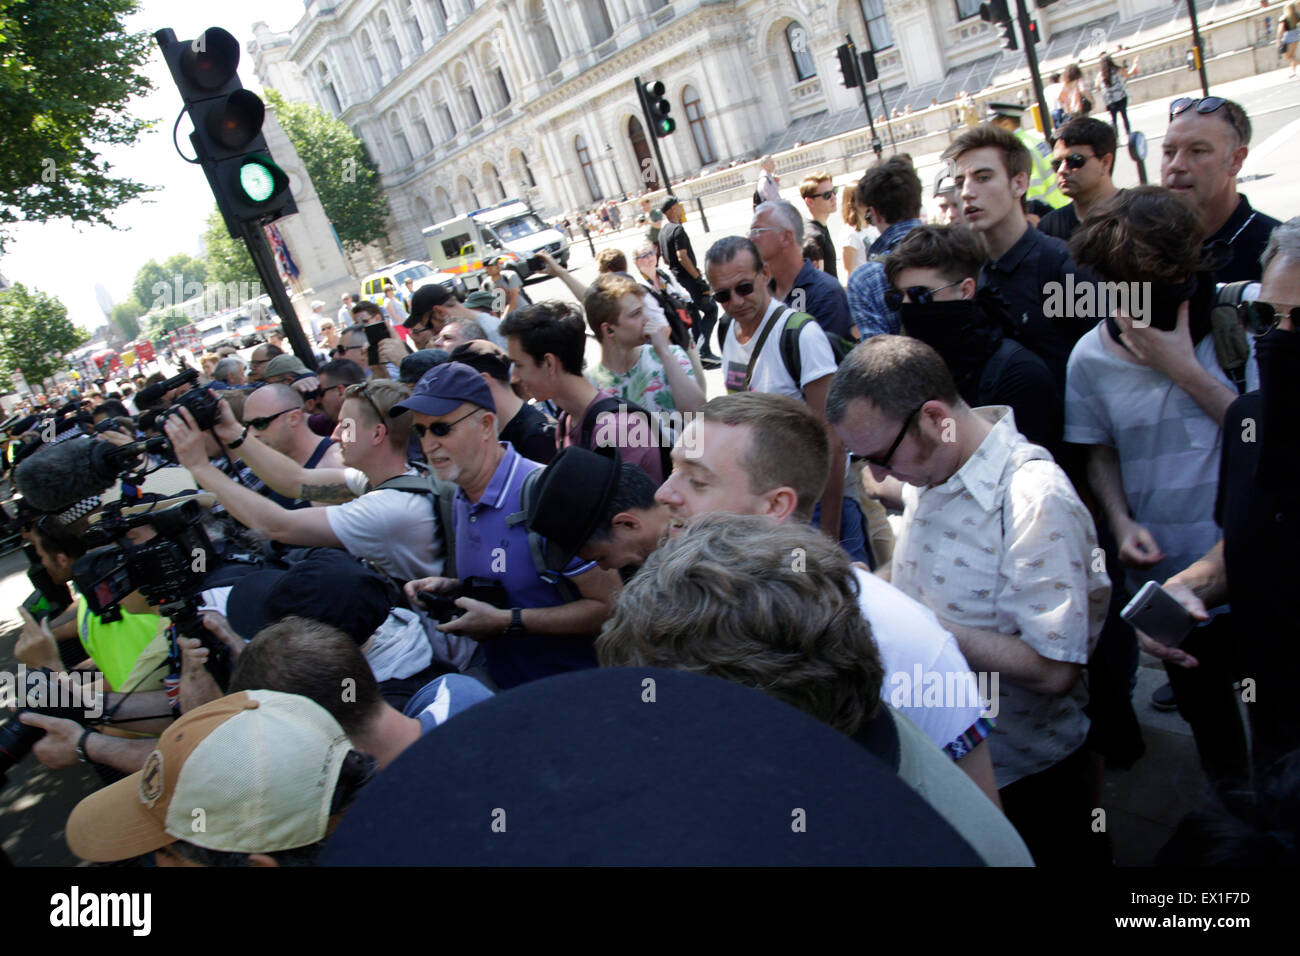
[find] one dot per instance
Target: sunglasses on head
(263, 423)
(741, 289)
(1260, 318)
(918, 294)
(1206, 104)
(440, 429)
(1073, 160)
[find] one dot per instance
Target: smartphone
(1154, 612)
(374, 335)
(535, 263)
(440, 605)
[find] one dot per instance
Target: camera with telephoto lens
(168, 570)
(441, 605)
(202, 405)
(17, 738)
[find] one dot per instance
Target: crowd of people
(937, 475)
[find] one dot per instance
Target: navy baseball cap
(424, 299)
(443, 389)
(639, 766)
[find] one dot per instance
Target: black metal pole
(1197, 48)
(876, 146)
(654, 137)
(264, 261)
(704, 219)
(1031, 56)
(884, 115)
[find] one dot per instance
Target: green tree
(160, 323)
(68, 71)
(35, 333)
(126, 316)
(345, 177)
(172, 282)
(227, 259)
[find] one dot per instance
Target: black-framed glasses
(1260, 318)
(362, 389)
(1072, 160)
(264, 422)
(440, 429)
(902, 432)
(919, 294)
(741, 289)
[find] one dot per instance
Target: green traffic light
(257, 181)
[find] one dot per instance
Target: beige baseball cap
(253, 772)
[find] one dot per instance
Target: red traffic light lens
(238, 120)
(210, 59)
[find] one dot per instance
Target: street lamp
(609, 151)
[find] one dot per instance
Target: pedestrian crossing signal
(659, 108)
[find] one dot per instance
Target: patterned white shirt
(1005, 544)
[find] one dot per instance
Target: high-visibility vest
(1042, 180)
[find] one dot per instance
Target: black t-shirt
(1026, 384)
(672, 237)
(1060, 223)
(823, 237)
(1244, 235)
(532, 433)
(1261, 526)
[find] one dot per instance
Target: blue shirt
(823, 299)
(868, 285)
(443, 698)
(488, 547)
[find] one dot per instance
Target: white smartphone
(1156, 613)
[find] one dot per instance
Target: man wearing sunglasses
(1202, 154)
(276, 414)
(397, 531)
(818, 194)
(1254, 566)
(1084, 158)
(544, 629)
(995, 541)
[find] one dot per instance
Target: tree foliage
(227, 259)
(126, 316)
(35, 334)
(161, 285)
(346, 179)
(68, 70)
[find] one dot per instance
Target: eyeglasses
(1073, 161)
(440, 429)
(830, 194)
(349, 348)
(362, 390)
(761, 229)
(917, 293)
(646, 255)
(263, 423)
(1207, 104)
(741, 289)
(1260, 318)
(907, 422)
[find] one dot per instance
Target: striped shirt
(1168, 448)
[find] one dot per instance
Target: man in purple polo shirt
(541, 631)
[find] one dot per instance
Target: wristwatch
(240, 440)
(516, 626)
(81, 746)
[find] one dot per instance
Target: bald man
(277, 416)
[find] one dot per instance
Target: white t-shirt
(917, 653)
(861, 240)
(492, 326)
(395, 530)
(770, 374)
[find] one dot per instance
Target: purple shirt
(487, 546)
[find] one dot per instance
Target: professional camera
(168, 570)
(16, 738)
(201, 404)
(1231, 318)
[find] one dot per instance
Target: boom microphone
(59, 476)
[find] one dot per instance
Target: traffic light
(248, 184)
(997, 13)
(658, 107)
(847, 72)
(868, 59)
(1031, 34)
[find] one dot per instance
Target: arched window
(438, 14)
(413, 28)
(492, 182)
(443, 123)
(442, 207)
(538, 25)
(416, 117)
(469, 103)
(796, 38)
(498, 79)
(422, 214)
(588, 171)
(401, 144)
(389, 40)
(699, 128)
(521, 165)
(327, 89)
(882, 37)
(598, 23)
(371, 60)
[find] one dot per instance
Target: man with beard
(1084, 160)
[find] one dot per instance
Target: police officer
(1042, 180)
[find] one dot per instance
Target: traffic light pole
(654, 136)
(876, 145)
(264, 260)
(1031, 57)
(1198, 49)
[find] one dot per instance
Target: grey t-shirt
(395, 530)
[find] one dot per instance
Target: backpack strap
(612, 403)
(1230, 346)
(789, 342)
(527, 491)
(993, 368)
(758, 349)
(441, 494)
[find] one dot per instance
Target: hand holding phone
(1156, 613)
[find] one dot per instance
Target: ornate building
(463, 104)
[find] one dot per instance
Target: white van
(509, 229)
